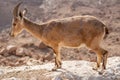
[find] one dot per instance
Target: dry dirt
(26, 50)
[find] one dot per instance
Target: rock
(11, 48)
(20, 52)
(34, 55)
(33, 62)
(27, 45)
(2, 51)
(48, 57)
(6, 54)
(1, 71)
(22, 60)
(82, 70)
(71, 70)
(12, 78)
(28, 53)
(42, 45)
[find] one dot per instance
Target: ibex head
(17, 22)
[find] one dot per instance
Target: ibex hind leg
(101, 58)
(101, 53)
(104, 61)
(105, 55)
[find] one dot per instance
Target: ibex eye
(14, 24)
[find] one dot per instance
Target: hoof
(95, 68)
(54, 69)
(101, 72)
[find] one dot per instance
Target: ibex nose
(11, 35)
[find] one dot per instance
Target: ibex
(69, 32)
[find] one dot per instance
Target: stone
(20, 52)
(11, 48)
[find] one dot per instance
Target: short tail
(106, 32)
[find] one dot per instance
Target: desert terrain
(24, 55)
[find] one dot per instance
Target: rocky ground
(27, 53)
(79, 70)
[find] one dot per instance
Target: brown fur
(70, 32)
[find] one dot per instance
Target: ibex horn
(15, 11)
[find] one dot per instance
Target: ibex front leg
(57, 58)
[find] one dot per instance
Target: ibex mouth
(11, 35)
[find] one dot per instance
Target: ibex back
(71, 32)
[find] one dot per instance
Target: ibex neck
(35, 29)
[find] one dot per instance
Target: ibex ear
(16, 10)
(24, 11)
(21, 14)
